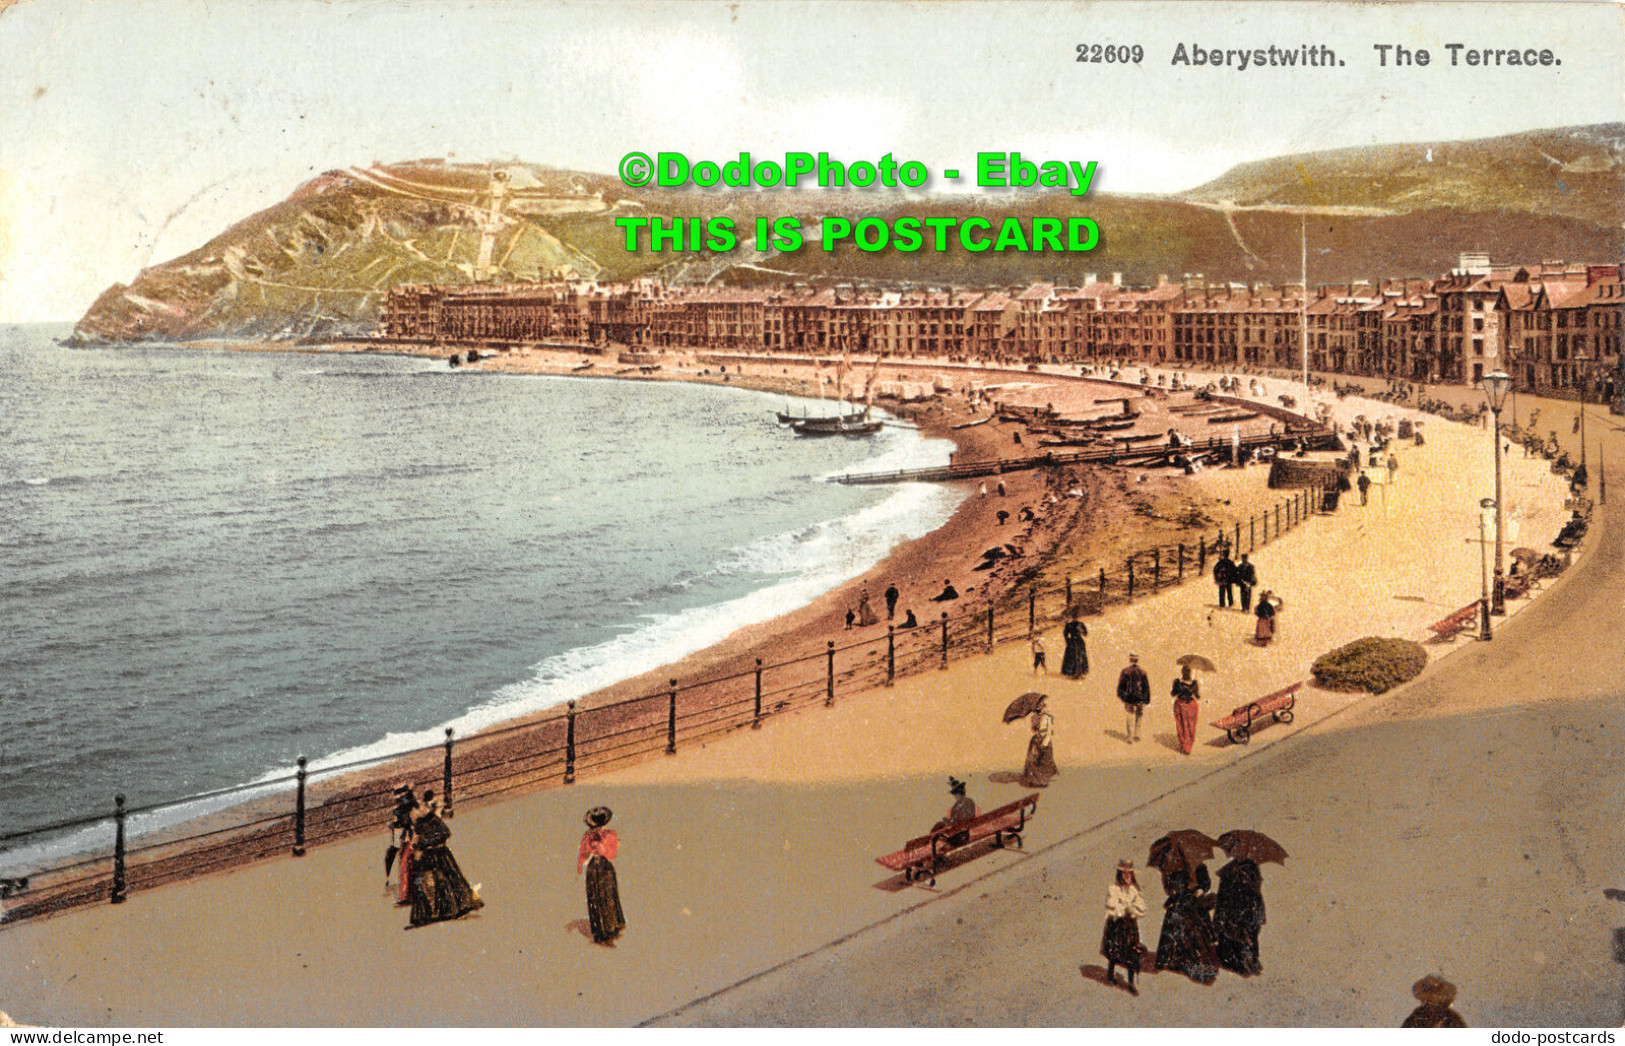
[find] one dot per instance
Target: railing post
(570, 743)
(990, 627)
(829, 676)
(1156, 569)
(1032, 610)
(1252, 534)
(756, 721)
(1181, 561)
(445, 785)
(116, 896)
(1201, 553)
(671, 719)
(1069, 591)
(299, 812)
(1237, 546)
(944, 640)
(1131, 577)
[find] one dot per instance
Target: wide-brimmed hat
(1125, 866)
(598, 816)
(1434, 990)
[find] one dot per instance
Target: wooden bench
(921, 858)
(1449, 626)
(1516, 586)
(1278, 706)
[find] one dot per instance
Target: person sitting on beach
(910, 621)
(1026, 515)
(948, 592)
(1002, 516)
(850, 617)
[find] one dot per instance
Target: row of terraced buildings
(1553, 326)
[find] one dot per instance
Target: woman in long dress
(1120, 942)
(1187, 695)
(1075, 661)
(439, 890)
(866, 613)
(1268, 604)
(1238, 916)
(1186, 942)
(598, 849)
(1040, 766)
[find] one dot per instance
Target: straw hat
(1434, 990)
(1125, 866)
(598, 816)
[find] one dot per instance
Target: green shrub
(1373, 664)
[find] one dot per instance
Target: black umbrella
(1193, 846)
(1024, 706)
(1254, 846)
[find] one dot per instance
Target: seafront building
(1555, 327)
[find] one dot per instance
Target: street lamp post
(1483, 574)
(1495, 391)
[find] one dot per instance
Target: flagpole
(1303, 323)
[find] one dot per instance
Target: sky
(133, 131)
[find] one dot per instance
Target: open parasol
(1192, 845)
(1024, 706)
(1253, 846)
(1197, 662)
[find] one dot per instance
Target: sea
(217, 561)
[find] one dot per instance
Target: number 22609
(1125, 53)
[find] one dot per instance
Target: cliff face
(320, 262)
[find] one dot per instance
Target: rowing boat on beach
(858, 426)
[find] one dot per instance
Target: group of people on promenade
(1234, 577)
(1201, 932)
(432, 883)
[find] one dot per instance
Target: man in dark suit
(1246, 578)
(1224, 575)
(1134, 690)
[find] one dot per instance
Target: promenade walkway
(758, 849)
(1467, 824)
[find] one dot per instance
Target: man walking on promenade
(1246, 578)
(1224, 575)
(1365, 488)
(1134, 690)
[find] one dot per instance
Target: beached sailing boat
(843, 424)
(840, 415)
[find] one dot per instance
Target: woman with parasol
(1187, 701)
(1075, 660)
(1269, 604)
(1185, 944)
(599, 846)
(1040, 767)
(1120, 943)
(1239, 913)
